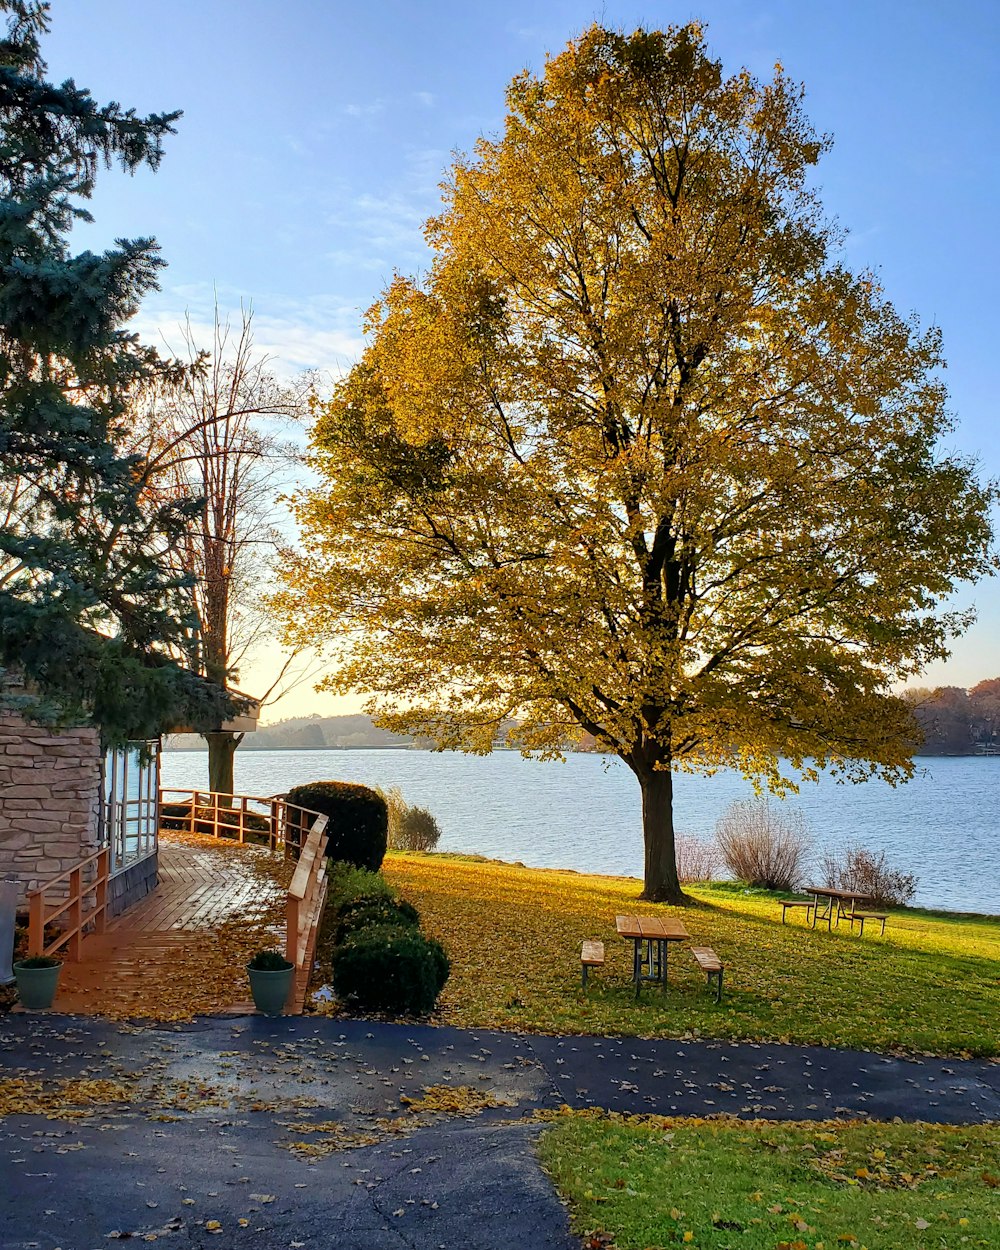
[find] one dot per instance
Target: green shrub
(442, 963)
(39, 961)
(347, 883)
(369, 912)
(392, 970)
(358, 820)
(269, 961)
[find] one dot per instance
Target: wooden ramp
(183, 950)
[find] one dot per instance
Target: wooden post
(275, 808)
(75, 913)
(194, 808)
(36, 923)
(292, 931)
(101, 891)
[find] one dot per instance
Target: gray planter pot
(270, 990)
(36, 987)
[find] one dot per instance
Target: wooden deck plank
(163, 941)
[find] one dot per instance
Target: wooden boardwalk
(183, 950)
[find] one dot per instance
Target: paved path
(217, 1103)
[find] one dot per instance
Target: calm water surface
(585, 813)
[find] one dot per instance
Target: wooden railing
(306, 896)
(271, 821)
(86, 902)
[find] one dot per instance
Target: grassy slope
(757, 1186)
(932, 984)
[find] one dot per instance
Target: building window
(131, 788)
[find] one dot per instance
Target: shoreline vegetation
(954, 722)
(945, 717)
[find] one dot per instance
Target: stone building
(62, 798)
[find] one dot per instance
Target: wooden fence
(273, 822)
(85, 886)
(268, 821)
(78, 899)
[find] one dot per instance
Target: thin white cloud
(320, 333)
(365, 110)
(426, 98)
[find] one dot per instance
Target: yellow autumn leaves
(932, 984)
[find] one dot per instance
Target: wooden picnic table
(650, 937)
(834, 899)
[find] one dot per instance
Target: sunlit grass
(931, 984)
(717, 1185)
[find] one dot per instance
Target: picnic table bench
(591, 956)
(859, 917)
(786, 903)
(712, 965)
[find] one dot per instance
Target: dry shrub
(410, 828)
(762, 846)
(418, 830)
(855, 868)
(697, 859)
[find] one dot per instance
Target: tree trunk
(661, 884)
(221, 755)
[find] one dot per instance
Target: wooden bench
(591, 956)
(808, 904)
(862, 916)
(711, 964)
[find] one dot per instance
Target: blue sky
(315, 133)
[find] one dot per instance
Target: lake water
(585, 813)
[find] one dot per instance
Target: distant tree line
(956, 721)
(307, 733)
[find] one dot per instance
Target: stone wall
(50, 788)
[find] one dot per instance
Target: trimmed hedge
(393, 970)
(375, 911)
(358, 820)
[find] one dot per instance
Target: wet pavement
(234, 1130)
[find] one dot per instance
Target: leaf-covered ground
(166, 971)
(638, 1182)
(930, 985)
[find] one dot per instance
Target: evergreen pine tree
(88, 606)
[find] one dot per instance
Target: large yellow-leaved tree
(639, 457)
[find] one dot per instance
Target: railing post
(75, 912)
(292, 931)
(274, 824)
(101, 891)
(36, 922)
(193, 810)
(243, 819)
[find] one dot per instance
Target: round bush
(370, 912)
(442, 963)
(392, 970)
(358, 825)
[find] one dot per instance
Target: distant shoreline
(410, 746)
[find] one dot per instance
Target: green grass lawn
(931, 984)
(725, 1185)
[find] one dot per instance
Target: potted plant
(270, 976)
(37, 980)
